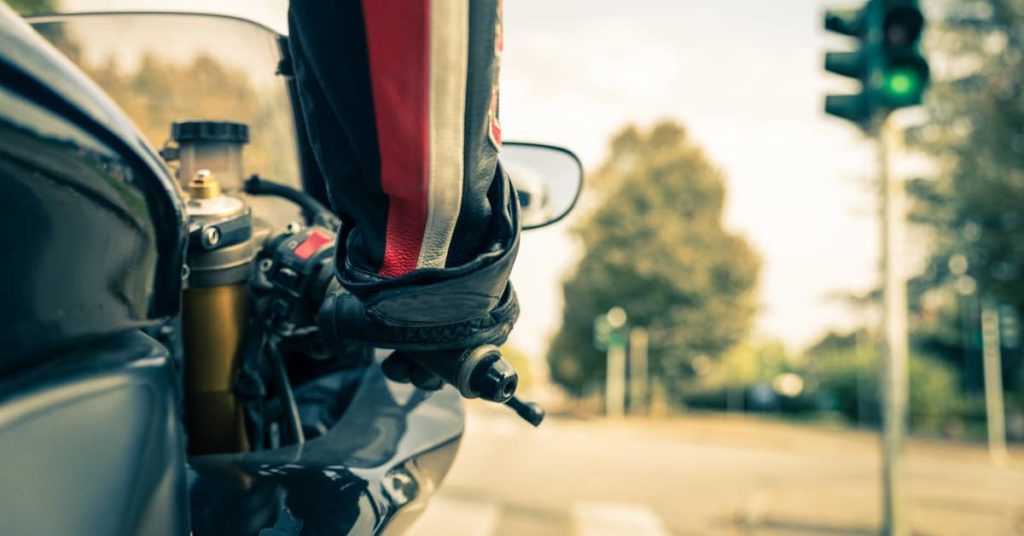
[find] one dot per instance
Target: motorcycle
(162, 371)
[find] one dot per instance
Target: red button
(311, 244)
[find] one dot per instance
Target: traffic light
(887, 60)
(852, 64)
(904, 71)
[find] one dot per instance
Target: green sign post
(611, 334)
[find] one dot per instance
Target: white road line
(615, 519)
(454, 517)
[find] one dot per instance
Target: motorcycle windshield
(166, 67)
(270, 13)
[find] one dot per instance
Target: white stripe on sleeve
(448, 67)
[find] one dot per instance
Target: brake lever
(531, 412)
(482, 372)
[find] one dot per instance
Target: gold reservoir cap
(204, 185)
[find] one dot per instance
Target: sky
(744, 77)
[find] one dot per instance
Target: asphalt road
(707, 475)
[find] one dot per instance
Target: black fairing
(93, 220)
(92, 443)
(371, 472)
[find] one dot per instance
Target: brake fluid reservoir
(211, 145)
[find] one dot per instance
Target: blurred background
(737, 227)
(707, 328)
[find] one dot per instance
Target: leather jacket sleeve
(400, 102)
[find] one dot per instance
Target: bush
(741, 397)
(844, 382)
(838, 378)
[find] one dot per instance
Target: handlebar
(477, 373)
(481, 372)
(300, 268)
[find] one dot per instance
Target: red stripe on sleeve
(398, 39)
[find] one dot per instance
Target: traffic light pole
(894, 373)
(893, 74)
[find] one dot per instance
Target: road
(706, 475)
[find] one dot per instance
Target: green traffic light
(887, 60)
(903, 86)
(900, 83)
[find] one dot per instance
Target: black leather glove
(346, 319)
(429, 310)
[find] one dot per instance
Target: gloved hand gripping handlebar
(302, 273)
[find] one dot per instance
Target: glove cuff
(441, 297)
(344, 319)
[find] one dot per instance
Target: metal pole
(615, 386)
(992, 367)
(637, 370)
(865, 348)
(894, 374)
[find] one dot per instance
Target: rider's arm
(400, 101)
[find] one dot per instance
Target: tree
(160, 91)
(655, 246)
(31, 7)
(155, 86)
(974, 205)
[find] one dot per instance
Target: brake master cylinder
(214, 314)
(215, 146)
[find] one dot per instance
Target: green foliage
(155, 87)
(31, 7)
(159, 92)
(840, 377)
(745, 364)
(833, 342)
(654, 245)
(729, 383)
(974, 205)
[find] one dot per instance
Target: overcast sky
(745, 78)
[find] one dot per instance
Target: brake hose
(314, 211)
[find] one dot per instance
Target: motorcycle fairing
(382, 459)
(96, 153)
(92, 443)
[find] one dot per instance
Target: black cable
(289, 408)
(249, 386)
(312, 210)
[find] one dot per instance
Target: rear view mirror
(547, 179)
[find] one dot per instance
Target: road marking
(456, 517)
(615, 519)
